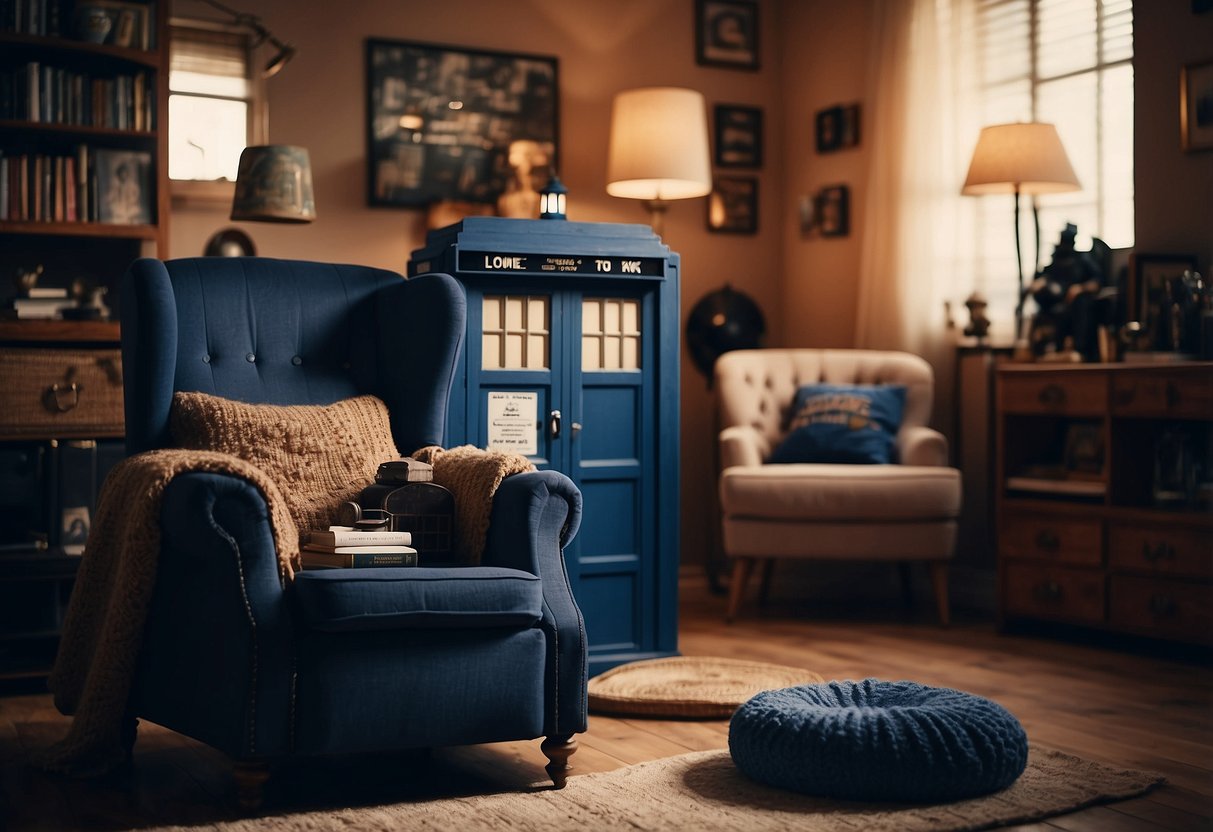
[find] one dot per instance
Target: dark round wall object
(723, 320)
(230, 242)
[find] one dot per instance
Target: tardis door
(574, 361)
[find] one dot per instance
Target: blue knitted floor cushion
(874, 740)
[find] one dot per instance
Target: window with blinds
(1069, 62)
(214, 104)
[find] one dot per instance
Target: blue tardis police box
(571, 358)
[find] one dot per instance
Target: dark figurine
(1071, 297)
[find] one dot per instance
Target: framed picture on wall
(833, 211)
(738, 136)
(124, 186)
(448, 123)
(837, 128)
(726, 33)
(733, 205)
(1196, 106)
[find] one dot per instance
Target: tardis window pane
(591, 352)
(514, 334)
(491, 350)
(610, 334)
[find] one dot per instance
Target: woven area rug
(689, 686)
(703, 790)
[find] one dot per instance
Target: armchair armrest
(920, 445)
(535, 515)
(742, 445)
(218, 640)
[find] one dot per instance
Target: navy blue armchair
(233, 657)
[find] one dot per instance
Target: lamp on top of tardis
(659, 148)
(552, 200)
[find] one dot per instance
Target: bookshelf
(83, 142)
(83, 192)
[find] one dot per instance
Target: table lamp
(659, 148)
(1020, 158)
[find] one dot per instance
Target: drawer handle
(1163, 606)
(62, 398)
(1047, 540)
(1048, 592)
(1153, 554)
(1052, 395)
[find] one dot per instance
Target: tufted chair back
(286, 332)
(756, 387)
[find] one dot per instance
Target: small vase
(93, 24)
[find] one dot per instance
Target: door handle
(554, 424)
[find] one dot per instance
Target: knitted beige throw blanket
(104, 624)
(472, 476)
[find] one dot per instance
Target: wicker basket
(60, 392)
(689, 686)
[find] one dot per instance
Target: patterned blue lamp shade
(552, 200)
(274, 184)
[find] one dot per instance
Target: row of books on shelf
(111, 22)
(92, 185)
(44, 94)
(347, 547)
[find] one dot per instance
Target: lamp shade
(659, 145)
(274, 184)
(1024, 157)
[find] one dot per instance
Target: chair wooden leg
(764, 586)
(939, 579)
(742, 567)
(906, 575)
(558, 751)
(251, 777)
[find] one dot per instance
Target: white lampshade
(1023, 158)
(659, 145)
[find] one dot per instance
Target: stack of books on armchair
(345, 546)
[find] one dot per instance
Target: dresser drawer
(1051, 538)
(1061, 394)
(55, 393)
(1161, 549)
(1164, 607)
(1053, 592)
(1175, 394)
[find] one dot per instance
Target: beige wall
(814, 55)
(824, 64)
(319, 101)
(1173, 190)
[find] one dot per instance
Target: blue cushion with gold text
(843, 423)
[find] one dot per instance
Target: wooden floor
(1119, 707)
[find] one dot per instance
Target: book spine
(360, 538)
(361, 560)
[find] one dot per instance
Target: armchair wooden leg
(742, 567)
(939, 579)
(130, 732)
(558, 751)
(250, 777)
(764, 583)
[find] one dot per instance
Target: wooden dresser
(1105, 497)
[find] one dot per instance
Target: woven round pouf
(688, 686)
(874, 740)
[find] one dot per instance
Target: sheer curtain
(918, 231)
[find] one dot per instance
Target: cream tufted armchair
(901, 512)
